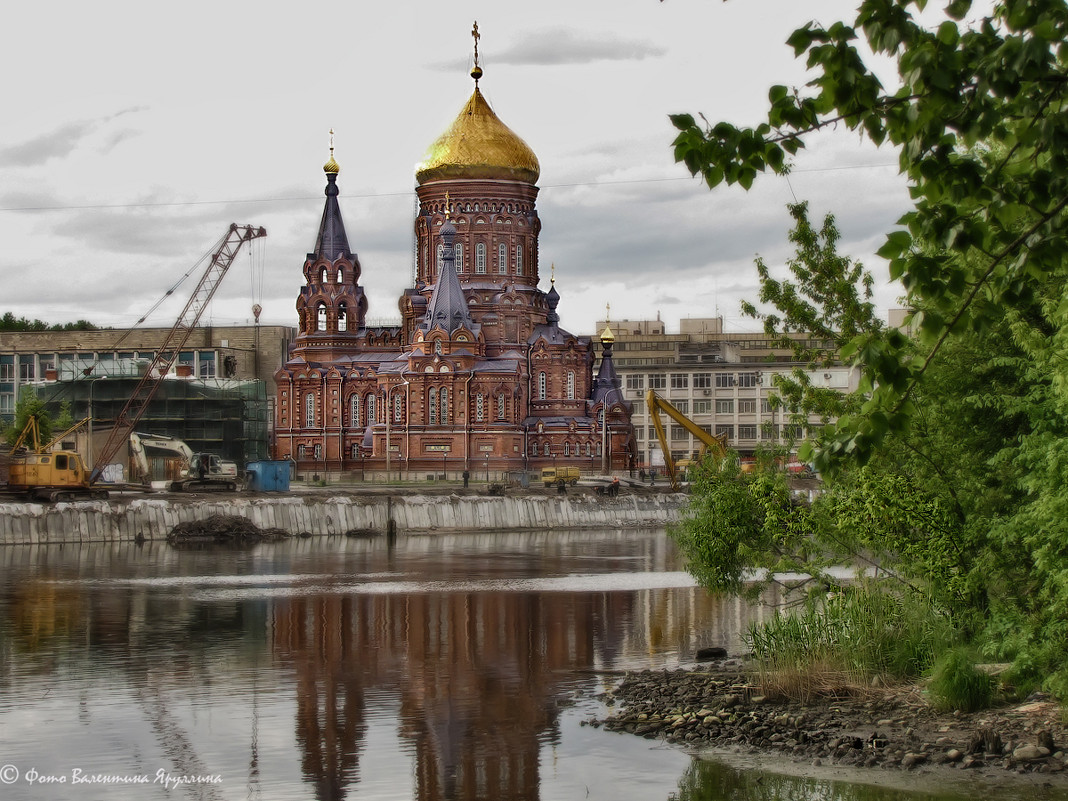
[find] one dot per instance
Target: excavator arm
(656, 405)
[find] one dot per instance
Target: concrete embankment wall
(149, 518)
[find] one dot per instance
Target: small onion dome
(478, 145)
(607, 335)
(331, 167)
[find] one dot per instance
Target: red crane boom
(175, 340)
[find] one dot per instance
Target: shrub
(956, 683)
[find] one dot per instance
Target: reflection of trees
(715, 781)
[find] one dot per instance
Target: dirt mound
(223, 530)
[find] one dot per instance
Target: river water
(444, 667)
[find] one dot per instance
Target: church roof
(448, 303)
(479, 145)
(331, 241)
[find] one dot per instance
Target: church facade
(479, 376)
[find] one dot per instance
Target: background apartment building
(721, 381)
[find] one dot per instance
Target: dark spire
(607, 388)
(553, 299)
(448, 304)
(331, 241)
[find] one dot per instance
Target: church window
(397, 408)
(432, 406)
(570, 384)
(444, 406)
(502, 258)
(567, 449)
(533, 449)
(426, 257)
(480, 258)
(441, 256)
(309, 410)
(518, 259)
(300, 451)
(342, 317)
(354, 411)
(355, 451)
(480, 412)
(340, 275)
(437, 346)
(588, 449)
(598, 448)
(317, 452)
(548, 449)
(476, 207)
(500, 407)
(541, 386)
(371, 409)
(600, 416)
(321, 317)
(322, 276)
(458, 249)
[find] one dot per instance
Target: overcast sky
(133, 134)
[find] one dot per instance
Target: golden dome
(479, 145)
(331, 167)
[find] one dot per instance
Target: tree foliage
(9, 322)
(997, 82)
(29, 406)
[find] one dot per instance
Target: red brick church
(479, 376)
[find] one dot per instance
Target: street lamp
(389, 418)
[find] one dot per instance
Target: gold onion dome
(331, 167)
(479, 145)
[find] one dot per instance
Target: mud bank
(326, 515)
(717, 709)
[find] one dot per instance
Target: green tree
(998, 82)
(29, 406)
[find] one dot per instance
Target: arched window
(441, 256)
(480, 411)
(437, 346)
(444, 406)
(588, 449)
(458, 249)
(432, 406)
(426, 257)
(398, 413)
(533, 449)
(354, 411)
(480, 258)
(570, 385)
(567, 449)
(309, 410)
(502, 258)
(340, 275)
(542, 388)
(500, 407)
(342, 317)
(518, 259)
(320, 317)
(371, 409)
(598, 448)
(600, 417)
(322, 276)
(548, 449)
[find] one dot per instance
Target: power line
(371, 195)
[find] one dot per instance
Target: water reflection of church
(479, 374)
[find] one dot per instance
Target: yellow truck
(559, 476)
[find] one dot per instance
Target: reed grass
(840, 644)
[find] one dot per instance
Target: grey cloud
(62, 141)
(566, 46)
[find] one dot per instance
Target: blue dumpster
(267, 476)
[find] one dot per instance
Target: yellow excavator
(717, 445)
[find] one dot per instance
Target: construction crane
(656, 404)
(173, 343)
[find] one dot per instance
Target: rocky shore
(894, 728)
